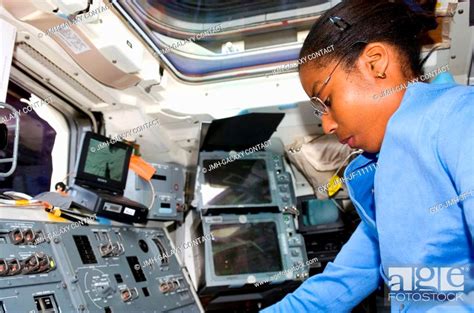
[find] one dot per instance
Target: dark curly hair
(399, 23)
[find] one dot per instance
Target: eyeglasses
(320, 107)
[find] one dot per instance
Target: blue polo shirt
(416, 208)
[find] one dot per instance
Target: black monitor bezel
(279, 246)
(274, 206)
(269, 176)
(336, 226)
(86, 179)
(238, 280)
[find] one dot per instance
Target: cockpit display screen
(245, 248)
(242, 182)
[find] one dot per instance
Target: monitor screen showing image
(245, 248)
(318, 215)
(319, 212)
(103, 164)
(242, 182)
(107, 162)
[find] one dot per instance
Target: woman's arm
(456, 150)
(344, 283)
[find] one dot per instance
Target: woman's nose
(329, 125)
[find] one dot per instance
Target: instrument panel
(49, 268)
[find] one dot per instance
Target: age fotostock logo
(426, 283)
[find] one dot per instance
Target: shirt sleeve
(456, 151)
(343, 284)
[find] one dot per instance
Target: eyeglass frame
(315, 100)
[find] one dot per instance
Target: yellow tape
(335, 183)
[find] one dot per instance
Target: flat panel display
(318, 215)
(242, 182)
(319, 212)
(245, 248)
(103, 164)
(106, 163)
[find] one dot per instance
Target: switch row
(23, 236)
(110, 249)
(36, 263)
(169, 286)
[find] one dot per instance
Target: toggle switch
(3, 267)
(111, 249)
(29, 236)
(128, 294)
(16, 236)
(14, 267)
(164, 287)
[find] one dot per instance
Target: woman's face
(356, 113)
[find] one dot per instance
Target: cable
(65, 177)
(58, 213)
(338, 206)
(4, 202)
(358, 151)
(153, 194)
(18, 195)
(435, 47)
(93, 216)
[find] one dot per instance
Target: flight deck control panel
(51, 268)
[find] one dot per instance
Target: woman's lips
(349, 141)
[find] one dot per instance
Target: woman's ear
(375, 59)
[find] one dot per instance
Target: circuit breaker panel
(51, 268)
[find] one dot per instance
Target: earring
(381, 75)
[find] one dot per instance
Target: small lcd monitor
(103, 164)
(319, 215)
(234, 183)
(252, 248)
(245, 248)
(242, 182)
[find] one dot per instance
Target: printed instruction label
(71, 39)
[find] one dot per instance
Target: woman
(421, 137)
